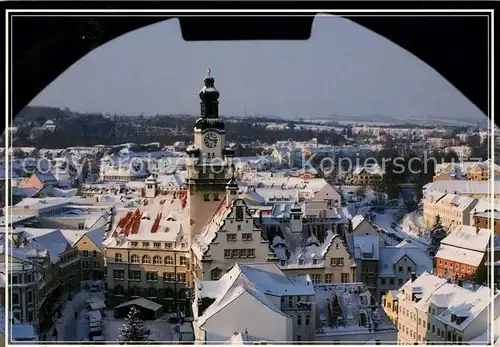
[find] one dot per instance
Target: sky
(344, 70)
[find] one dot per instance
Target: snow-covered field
(410, 226)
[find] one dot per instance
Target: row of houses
(431, 310)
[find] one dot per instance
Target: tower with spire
(209, 162)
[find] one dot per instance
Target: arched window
(146, 259)
(118, 290)
(152, 292)
(182, 293)
(239, 213)
(169, 260)
(134, 259)
(157, 260)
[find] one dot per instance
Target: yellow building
(454, 210)
(147, 252)
(390, 305)
(482, 171)
(370, 175)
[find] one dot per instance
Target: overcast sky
(344, 69)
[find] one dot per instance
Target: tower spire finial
(209, 70)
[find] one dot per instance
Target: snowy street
(68, 328)
(71, 329)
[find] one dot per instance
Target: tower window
(239, 213)
(206, 197)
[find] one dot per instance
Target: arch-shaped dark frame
(43, 47)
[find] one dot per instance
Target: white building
(258, 301)
(432, 310)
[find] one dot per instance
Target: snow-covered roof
(143, 302)
(461, 255)
(357, 220)
(262, 281)
(64, 193)
(161, 218)
(463, 187)
(424, 284)
(298, 251)
(175, 179)
(484, 205)
(389, 255)
(468, 237)
(459, 202)
(353, 299)
(52, 240)
(26, 192)
(271, 195)
(373, 169)
(460, 302)
(366, 247)
(45, 177)
(38, 203)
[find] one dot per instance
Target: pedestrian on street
(76, 315)
(55, 333)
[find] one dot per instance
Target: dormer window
(315, 260)
(283, 262)
(301, 260)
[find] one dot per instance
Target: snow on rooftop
(461, 302)
(459, 202)
(353, 299)
(64, 193)
(373, 169)
(142, 302)
(366, 247)
(296, 251)
(462, 187)
(424, 284)
(263, 281)
(484, 205)
(390, 255)
(468, 237)
(157, 219)
(52, 240)
(461, 255)
(357, 220)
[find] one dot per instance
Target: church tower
(209, 164)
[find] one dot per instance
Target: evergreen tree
(437, 235)
(133, 329)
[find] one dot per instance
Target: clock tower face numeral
(211, 139)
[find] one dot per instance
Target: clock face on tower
(211, 139)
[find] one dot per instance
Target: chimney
(413, 276)
(260, 217)
(477, 229)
